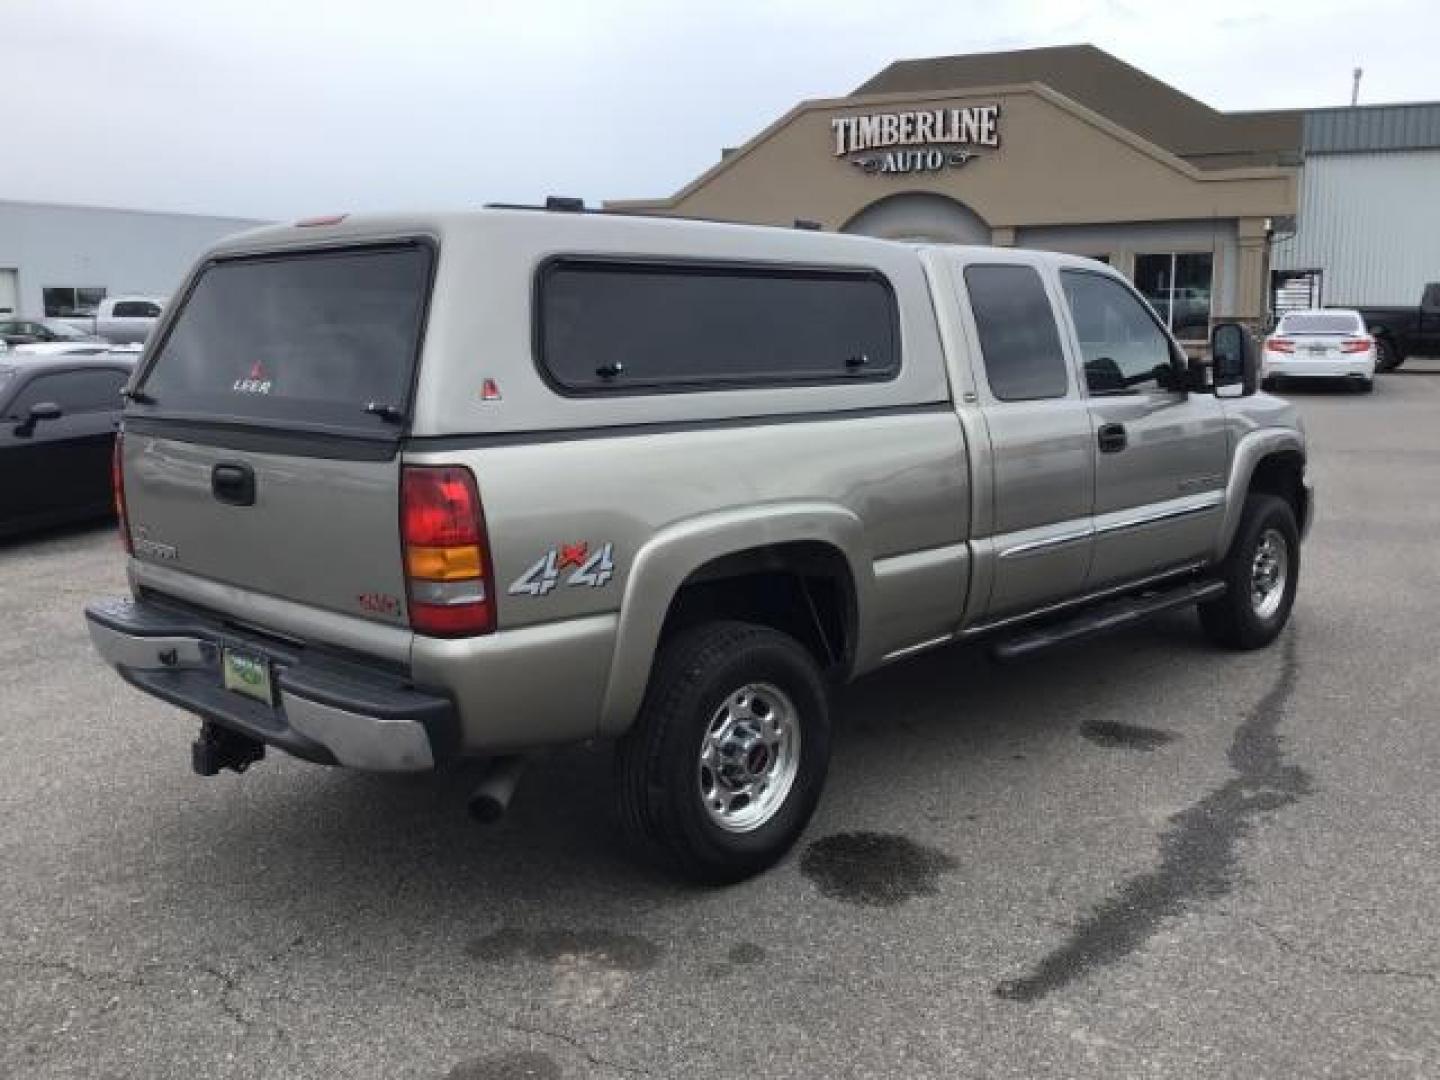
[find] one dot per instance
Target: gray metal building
(61, 260)
(1368, 225)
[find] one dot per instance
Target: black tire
(1234, 620)
(658, 761)
(1387, 358)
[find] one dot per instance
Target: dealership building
(63, 260)
(1213, 215)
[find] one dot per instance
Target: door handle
(1112, 438)
(233, 483)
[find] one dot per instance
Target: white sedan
(1329, 343)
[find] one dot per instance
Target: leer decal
(592, 569)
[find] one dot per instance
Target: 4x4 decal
(592, 569)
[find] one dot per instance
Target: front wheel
(724, 765)
(1261, 572)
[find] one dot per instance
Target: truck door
(1041, 461)
(1160, 453)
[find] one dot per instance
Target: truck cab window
(1018, 339)
(1123, 347)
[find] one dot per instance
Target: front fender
(1254, 447)
(661, 566)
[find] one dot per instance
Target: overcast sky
(280, 108)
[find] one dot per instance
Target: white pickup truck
(121, 320)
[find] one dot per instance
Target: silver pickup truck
(402, 490)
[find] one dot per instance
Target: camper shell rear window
(321, 340)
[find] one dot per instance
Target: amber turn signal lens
(443, 563)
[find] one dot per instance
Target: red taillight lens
(447, 558)
(117, 487)
(1279, 344)
(1356, 345)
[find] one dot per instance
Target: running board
(1107, 616)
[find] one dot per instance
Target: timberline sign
(944, 138)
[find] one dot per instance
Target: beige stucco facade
(1061, 176)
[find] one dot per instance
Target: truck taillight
(1279, 344)
(447, 560)
(1356, 345)
(117, 487)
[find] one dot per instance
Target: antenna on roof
(1355, 87)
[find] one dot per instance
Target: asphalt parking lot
(1137, 857)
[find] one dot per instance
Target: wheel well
(1283, 475)
(803, 589)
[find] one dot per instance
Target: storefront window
(65, 302)
(1178, 287)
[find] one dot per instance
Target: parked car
(43, 331)
(1402, 332)
(58, 418)
(121, 319)
(724, 469)
(1329, 343)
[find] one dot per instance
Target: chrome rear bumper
(326, 708)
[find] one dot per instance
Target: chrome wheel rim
(1268, 571)
(749, 757)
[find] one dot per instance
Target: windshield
(307, 340)
(1308, 322)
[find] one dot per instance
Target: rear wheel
(1387, 357)
(724, 765)
(1261, 571)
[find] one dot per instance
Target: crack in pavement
(1315, 956)
(1199, 858)
(572, 1041)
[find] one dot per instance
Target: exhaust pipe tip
(491, 797)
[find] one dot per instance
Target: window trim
(1178, 360)
(982, 376)
(696, 265)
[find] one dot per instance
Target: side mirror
(41, 410)
(1235, 370)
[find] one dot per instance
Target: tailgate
(319, 531)
(261, 441)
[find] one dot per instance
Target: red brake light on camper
(323, 219)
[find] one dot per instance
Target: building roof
(1368, 128)
(1123, 94)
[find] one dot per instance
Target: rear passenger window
(136, 309)
(610, 326)
(73, 391)
(1018, 338)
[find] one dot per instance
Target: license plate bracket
(247, 674)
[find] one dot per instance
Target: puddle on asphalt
(1117, 736)
(874, 869)
(603, 948)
